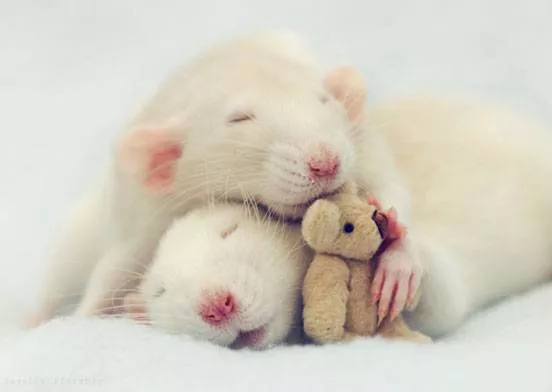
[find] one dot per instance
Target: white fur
(479, 177)
(470, 182)
(263, 159)
(261, 263)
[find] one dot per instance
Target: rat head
(224, 277)
(344, 225)
(257, 125)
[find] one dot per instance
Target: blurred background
(71, 72)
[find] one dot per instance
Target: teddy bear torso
(361, 316)
(337, 299)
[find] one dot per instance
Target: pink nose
(323, 166)
(217, 309)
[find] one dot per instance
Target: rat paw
(388, 221)
(395, 229)
(396, 281)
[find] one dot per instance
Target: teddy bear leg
(325, 294)
(348, 336)
(398, 329)
(323, 326)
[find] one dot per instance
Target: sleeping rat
(250, 119)
(224, 274)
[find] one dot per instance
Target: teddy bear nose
(381, 222)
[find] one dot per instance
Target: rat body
(226, 275)
(250, 119)
(479, 180)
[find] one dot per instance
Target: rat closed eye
(239, 117)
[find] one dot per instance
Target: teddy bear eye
(348, 227)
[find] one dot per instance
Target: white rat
(250, 119)
(480, 181)
(226, 275)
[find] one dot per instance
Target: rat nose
(218, 308)
(324, 165)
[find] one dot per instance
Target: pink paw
(388, 222)
(396, 280)
(375, 202)
(398, 273)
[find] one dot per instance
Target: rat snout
(216, 309)
(323, 164)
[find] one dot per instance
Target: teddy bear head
(344, 225)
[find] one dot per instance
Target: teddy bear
(347, 233)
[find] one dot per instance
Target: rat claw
(380, 320)
(377, 285)
(382, 314)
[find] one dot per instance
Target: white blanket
(508, 348)
(72, 71)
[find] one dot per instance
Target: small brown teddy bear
(347, 233)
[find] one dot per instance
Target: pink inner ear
(347, 86)
(151, 154)
(162, 164)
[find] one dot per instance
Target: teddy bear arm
(325, 294)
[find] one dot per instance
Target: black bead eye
(348, 228)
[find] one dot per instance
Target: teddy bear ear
(349, 188)
(149, 154)
(346, 84)
(321, 225)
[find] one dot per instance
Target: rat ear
(135, 307)
(346, 85)
(321, 224)
(151, 153)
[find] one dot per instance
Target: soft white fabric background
(72, 71)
